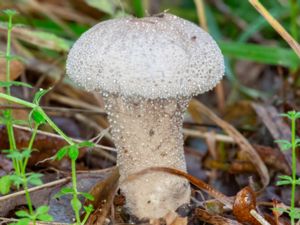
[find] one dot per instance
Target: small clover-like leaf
(24, 221)
(5, 183)
(23, 213)
(35, 179)
(45, 217)
(87, 196)
(42, 210)
(295, 213)
(37, 116)
(64, 191)
(89, 208)
(76, 204)
(284, 180)
(10, 12)
(62, 152)
(284, 144)
(73, 152)
(281, 210)
(16, 179)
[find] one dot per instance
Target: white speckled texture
(152, 57)
(147, 70)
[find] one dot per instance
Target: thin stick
(47, 185)
(201, 14)
(259, 218)
(200, 134)
(276, 25)
(203, 23)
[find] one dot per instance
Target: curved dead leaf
(194, 180)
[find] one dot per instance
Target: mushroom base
(148, 133)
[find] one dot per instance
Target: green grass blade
(262, 54)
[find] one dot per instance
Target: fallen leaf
(276, 126)
(103, 193)
(16, 69)
(194, 180)
(197, 108)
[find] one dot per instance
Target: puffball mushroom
(147, 70)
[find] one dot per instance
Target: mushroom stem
(148, 133)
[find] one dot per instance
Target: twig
(201, 14)
(47, 185)
(276, 25)
(200, 134)
(259, 218)
(75, 103)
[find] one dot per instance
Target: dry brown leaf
(16, 69)
(277, 26)
(276, 126)
(194, 180)
(103, 193)
(196, 108)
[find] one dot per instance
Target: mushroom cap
(161, 56)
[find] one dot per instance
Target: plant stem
(75, 192)
(30, 147)
(85, 218)
(294, 169)
(294, 13)
(9, 124)
(17, 100)
(57, 130)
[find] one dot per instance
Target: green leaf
(35, 179)
(19, 155)
(138, 7)
(284, 180)
(291, 115)
(284, 144)
(297, 142)
(76, 204)
(62, 152)
(39, 94)
(86, 144)
(298, 181)
(106, 6)
(64, 191)
(73, 152)
(14, 83)
(5, 183)
(24, 221)
(261, 54)
(37, 116)
(88, 209)
(10, 12)
(87, 196)
(295, 213)
(42, 210)
(23, 213)
(282, 210)
(45, 217)
(16, 179)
